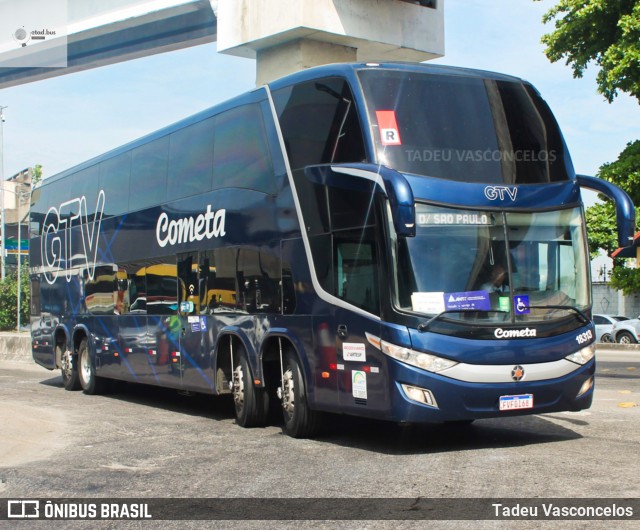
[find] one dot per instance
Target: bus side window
(356, 266)
(100, 291)
(191, 160)
(35, 296)
(319, 123)
(162, 288)
(188, 285)
(149, 159)
(241, 156)
(83, 184)
(115, 175)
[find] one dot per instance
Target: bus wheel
(69, 369)
(251, 402)
(299, 420)
(91, 383)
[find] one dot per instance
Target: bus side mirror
(386, 181)
(625, 212)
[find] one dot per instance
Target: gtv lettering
(498, 192)
(57, 248)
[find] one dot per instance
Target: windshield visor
(463, 128)
(497, 267)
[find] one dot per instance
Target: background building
(14, 195)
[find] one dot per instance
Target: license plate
(522, 401)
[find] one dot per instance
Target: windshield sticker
(429, 303)
(468, 301)
(521, 303)
(504, 304)
(352, 351)
(359, 384)
(389, 133)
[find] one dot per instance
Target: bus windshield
(462, 128)
(509, 267)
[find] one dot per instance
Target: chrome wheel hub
(288, 401)
(85, 367)
(67, 366)
(238, 387)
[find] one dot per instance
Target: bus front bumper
(423, 397)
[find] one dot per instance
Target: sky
(63, 121)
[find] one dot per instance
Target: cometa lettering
(190, 229)
(514, 333)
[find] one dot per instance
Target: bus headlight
(426, 361)
(584, 355)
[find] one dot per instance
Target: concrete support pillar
(289, 35)
(277, 61)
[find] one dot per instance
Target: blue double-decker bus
(403, 242)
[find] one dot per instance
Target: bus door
(194, 359)
(356, 274)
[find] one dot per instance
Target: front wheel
(299, 420)
(624, 337)
(90, 382)
(251, 402)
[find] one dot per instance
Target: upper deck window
(319, 123)
(465, 129)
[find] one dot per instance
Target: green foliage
(601, 229)
(37, 175)
(9, 299)
(625, 172)
(626, 280)
(601, 218)
(606, 32)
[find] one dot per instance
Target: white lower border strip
(502, 373)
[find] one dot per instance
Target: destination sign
(454, 217)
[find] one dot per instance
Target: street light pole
(2, 242)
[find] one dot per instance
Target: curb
(15, 346)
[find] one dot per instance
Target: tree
(607, 33)
(9, 299)
(37, 175)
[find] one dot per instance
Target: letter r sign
(389, 133)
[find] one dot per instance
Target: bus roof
(347, 70)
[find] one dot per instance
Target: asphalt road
(147, 442)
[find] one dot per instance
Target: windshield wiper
(582, 316)
(425, 325)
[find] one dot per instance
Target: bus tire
(90, 382)
(69, 369)
(299, 420)
(624, 337)
(251, 402)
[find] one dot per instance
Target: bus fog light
(586, 386)
(584, 355)
(420, 395)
